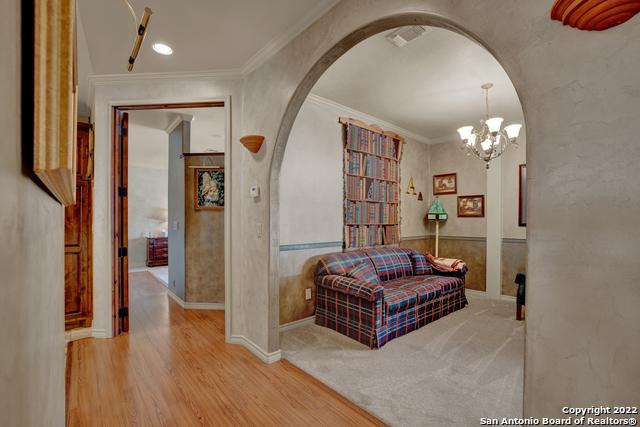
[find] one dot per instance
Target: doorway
(159, 226)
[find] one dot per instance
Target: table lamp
(437, 213)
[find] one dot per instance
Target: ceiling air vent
(402, 36)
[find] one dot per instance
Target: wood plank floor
(174, 369)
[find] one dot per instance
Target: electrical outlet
(307, 294)
(259, 230)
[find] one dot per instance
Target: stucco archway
(293, 107)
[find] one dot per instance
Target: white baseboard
(195, 305)
(77, 334)
(483, 294)
(298, 323)
(257, 351)
(99, 333)
(204, 306)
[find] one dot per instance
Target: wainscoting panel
(297, 268)
(514, 260)
(473, 251)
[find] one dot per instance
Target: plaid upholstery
(340, 263)
(374, 314)
(420, 264)
(425, 287)
(365, 272)
(447, 284)
(347, 285)
(391, 263)
(396, 299)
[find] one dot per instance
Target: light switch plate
(307, 294)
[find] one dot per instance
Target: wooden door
(78, 218)
(121, 258)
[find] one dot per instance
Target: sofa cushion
(448, 284)
(340, 263)
(421, 266)
(391, 263)
(425, 287)
(396, 299)
(366, 272)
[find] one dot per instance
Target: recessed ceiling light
(162, 48)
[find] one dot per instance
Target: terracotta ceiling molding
(594, 15)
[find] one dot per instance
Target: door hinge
(122, 252)
(122, 191)
(123, 311)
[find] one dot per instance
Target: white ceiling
(204, 34)
(430, 86)
(207, 130)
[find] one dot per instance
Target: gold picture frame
(55, 82)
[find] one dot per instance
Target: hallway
(175, 369)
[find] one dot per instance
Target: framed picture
(471, 206)
(522, 196)
(446, 183)
(54, 97)
(209, 188)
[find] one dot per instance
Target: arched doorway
(297, 99)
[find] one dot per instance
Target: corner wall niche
(371, 185)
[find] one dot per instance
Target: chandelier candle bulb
(494, 124)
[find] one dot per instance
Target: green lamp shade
(436, 211)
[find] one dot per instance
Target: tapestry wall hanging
(209, 188)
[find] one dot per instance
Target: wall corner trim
(255, 349)
(298, 323)
(77, 334)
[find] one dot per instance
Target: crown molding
(368, 118)
(444, 138)
(274, 46)
(259, 58)
(106, 79)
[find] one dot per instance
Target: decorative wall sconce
(252, 142)
(594, 15)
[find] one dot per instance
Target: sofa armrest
(350, 286)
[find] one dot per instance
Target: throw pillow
(421, 266)
(365, 272)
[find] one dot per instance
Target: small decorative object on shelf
(593, 15)
(411, 189)
(252, 143)
(437, 213)
(371, 185)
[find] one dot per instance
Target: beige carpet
(451, 372)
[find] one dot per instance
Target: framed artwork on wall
(209, 188)
(522, 196)
(446, 183)
(54, 97)
(471, 206)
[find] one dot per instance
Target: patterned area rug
(452, 372)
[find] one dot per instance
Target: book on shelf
(371, 187)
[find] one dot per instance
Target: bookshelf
(371, 185)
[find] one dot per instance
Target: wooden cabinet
(78, 219)
(157, 251)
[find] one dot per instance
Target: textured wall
(32, 362)
(178, 144)
(204, 241)
(579, 93)
(176, 89)
(311, 186)
(511, 161)
(148, 209)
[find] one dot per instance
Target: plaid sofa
(406, 294)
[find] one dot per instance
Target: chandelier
(489, 140)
